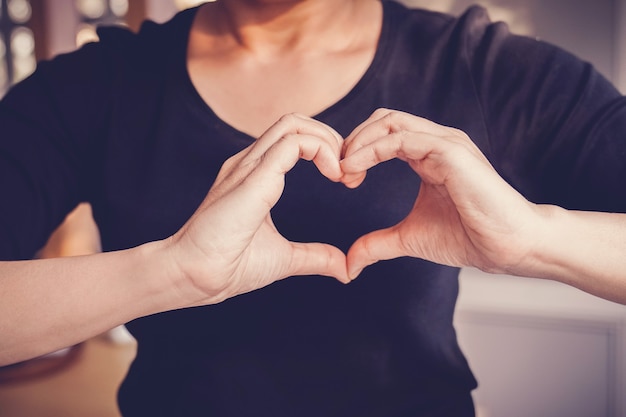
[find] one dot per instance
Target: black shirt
(119, 124)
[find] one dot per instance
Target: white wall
(540, 348)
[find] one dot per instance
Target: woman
(139, 125)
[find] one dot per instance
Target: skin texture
(254, 61)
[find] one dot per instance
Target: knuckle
(290, 118)
(288, 137)
(381, 111)
(285, 142)
(367, 249)
(460, 134)
(230, 163)
(394, 120)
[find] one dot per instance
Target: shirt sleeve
(556, 127)
(49, 125)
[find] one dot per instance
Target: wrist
(180, 270)
(538, 258)
(166, 283)
(556, 249)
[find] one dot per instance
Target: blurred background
(538, 348)
(31, 30)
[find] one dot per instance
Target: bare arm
(48, 304)
(583, 249)
(228, 247)
(467, 215)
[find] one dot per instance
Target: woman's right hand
(230, 245)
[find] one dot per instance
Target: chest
(251, 95)
(158, 168)
(156, 181)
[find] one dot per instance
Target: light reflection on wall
(23, 50)
(17, 43)
(95, 12)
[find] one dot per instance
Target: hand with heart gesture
(230, 245)
(465, 214)
(461, 217)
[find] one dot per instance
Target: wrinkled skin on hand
(465, 214)
(230, 245)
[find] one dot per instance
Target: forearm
(49, 304)
(583, 249)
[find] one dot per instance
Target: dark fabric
(119, 124)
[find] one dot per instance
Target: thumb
(373, 247)
(318, 259)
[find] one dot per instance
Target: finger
(404, 145)
(231, 165)
(254, 196)
(376, 115)
(282, 156)
(354, 179)
(373, 247)
(294, 123)
(434, 158)
(279, 157)
(318, 259)
(355, 165)
(384, 122)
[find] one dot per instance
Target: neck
(270, 28)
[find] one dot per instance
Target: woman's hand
(230, 245)
(465, 213)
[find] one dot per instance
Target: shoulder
(470, 33)
(154, 43)
(474, 21)
(435, 41)
(119, 55)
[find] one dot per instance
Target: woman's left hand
(465, 213)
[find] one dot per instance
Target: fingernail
(354, 273)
